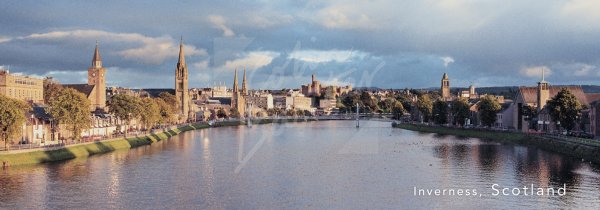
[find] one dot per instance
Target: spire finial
(543, 70)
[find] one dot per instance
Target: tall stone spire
(96, 60)
(244, 84)
(181, 54)
(181, 85)
(235, 82)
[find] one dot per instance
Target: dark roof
(529, 94)
(222, 100)
(155, 92)
(40, 112)
(82, 88)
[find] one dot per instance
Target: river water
(312, 165)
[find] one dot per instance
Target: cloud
(323, 56)
(584, 71)
(536, 71)
(148, 50)
(4, 39)
(251, 60)
(582, 9)
(447, 60)
(219, 22)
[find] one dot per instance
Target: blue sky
(383, 43)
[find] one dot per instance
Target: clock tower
(97, 78)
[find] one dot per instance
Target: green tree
(387, 104)
(150, 112)
(488, 107)
(398, 110)
(165, 111)
(368, 102)
(440, 112)
(126, 107)
(460, 111)
(221, 113)
(425, 106)
(564, 108)
(350, 100)
(171, 100)
(72, 109)
(12, 117)
(51, 88)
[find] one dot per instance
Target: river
(314, 165)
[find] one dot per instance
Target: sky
(374, 43)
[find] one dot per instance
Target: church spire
(235, 82)
(543, 79)
(96, 60)
(181, 54)
(244, 84)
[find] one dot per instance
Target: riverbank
(45, 155)
(587, 150)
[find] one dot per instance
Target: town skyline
(486, 44)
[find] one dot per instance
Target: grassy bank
(89, 149)
(582, 150)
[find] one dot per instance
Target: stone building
(238, 98)
(445, 88)
(95, 89)
(181, 85)
(21, 87)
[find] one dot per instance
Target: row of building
(528, 112)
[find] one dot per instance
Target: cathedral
(95, 89)
(446, 88)
(238, 98)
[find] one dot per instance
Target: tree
(221, 113)
(387, 104)
(564, 108)
(126, 107)
(368, 102)
(425, 106)
(440, 112)
(171, 100)
(51, 88)
(165, 111)
(350, 100)
(150, 113)
(398, 110)
(460, 111)
(12, 117)
(488, 108)
(71, 108)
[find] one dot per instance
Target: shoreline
(47, 155)
(588, 151)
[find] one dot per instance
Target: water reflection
(299, 165)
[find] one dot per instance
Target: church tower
(445, 87)
(238, 101)
(97, 77)
(181, 84)
(543, 93)
(244, 85)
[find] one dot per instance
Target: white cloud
(319, 56)
(200, 65)
(582, 9)
(150, 50)
(447, 60)
(4, 39)
(251, 60)
(219, 22)
(536, 71)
